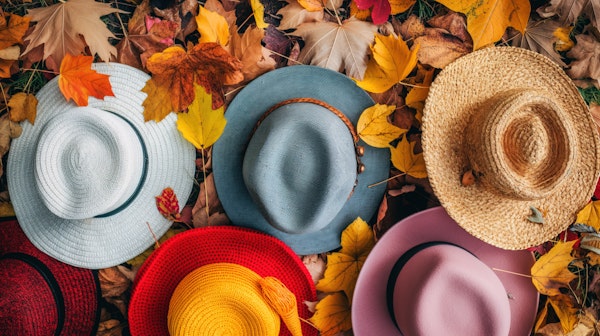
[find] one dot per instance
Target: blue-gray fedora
(290, 163)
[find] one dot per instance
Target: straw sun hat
(514, 120)
(222, 280)
(428, 276)
(287, 163)
(40, 295)
(83, 180)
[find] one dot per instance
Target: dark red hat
(185, 252)
(40, 295)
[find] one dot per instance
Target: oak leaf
(539, 37)
(332, 314)
(374, 128)
(404, 158)
(590, 215)
(78, 81)
(201, 125)
(293, 15)
(343, 266)
(12, 29)
(341, 47)
(70, 26)
(587, 58)
(176, 71)
(487, 20)
(391, 62)
(550, 272)
(212, 26)
(248, 49)
(23, 106)
(168, 205)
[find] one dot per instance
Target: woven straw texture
(221, 299)
(180, 255)
(102, 242)
(515, 117)
(27, 306)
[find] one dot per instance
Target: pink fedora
(427, 276)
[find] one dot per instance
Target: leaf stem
(205, 188)
(510, 272)
(386, 180)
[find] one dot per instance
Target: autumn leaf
(404, 158)
(374, 128)
(380, 9)
(590, 215)
(248, 49)
(67, 27)
(332, 314)
(312, 5)
(139, 259)
(259, 13)
(487, 20)
(343, 266)
(417, 95)
(294, 14)
(591, 242)
(339, 47)
(175, 71)
(569, 11)
(401, 6)
(212, 27)
(391, 62)
(550, 272)
(586, 55)
(539, 37)
(23, 106)
(12, 29)
(566, 310)
(563, 39)
(201, 125)
(168, 205)
(78, 81)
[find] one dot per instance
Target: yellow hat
(228, 299)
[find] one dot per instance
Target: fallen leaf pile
(200, 54)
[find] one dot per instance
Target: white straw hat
(83, 180)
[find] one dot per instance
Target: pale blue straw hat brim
(298, 81)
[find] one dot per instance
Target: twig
(386, 180)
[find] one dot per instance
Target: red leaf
(168, 205)
(380, 12)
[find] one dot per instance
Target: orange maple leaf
(176, 69)
(78, 81)
(12, 29)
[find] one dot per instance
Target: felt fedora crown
(290, 162)
(83, 180)
(222, 280)
(515, 121)
(427, 276)
(40, 295)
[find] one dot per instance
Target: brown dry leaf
(140, 43)
(332, 314)
(566, 309)
(550, 272)
(248, 49)
(112, 327)
(183, 14)
(293, 15)
(539, 37)
(12, 29)
(487, 20)
(587, 58)
(70, 26)
(569, 10)
(23, 106)
(212, 215)
(113, 283)
(217, 7)
(315, 265)
(8, 130)
(340, 47)
(454, 24)
(409, 28)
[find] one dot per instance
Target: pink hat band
(438, 288)
(18, 288)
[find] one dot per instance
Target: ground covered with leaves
(200, 54)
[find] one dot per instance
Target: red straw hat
(192, 251)
(40, 295)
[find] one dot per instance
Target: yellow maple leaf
(343, 266)
(212, 27)
(590, 215)
(404, 158)
(158, 104)
(259, 13)
(311, 5)
(23, 106)
(374, 128)
(332, 314)
(391, 62)
(201, 125)
(417, 95)
(566, 310)
(487, 20)
(550, 272)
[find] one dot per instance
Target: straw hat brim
(298, 81)
(369, 308)
(102, 242)
(80, 287)
(480, 210)
(160, 274)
